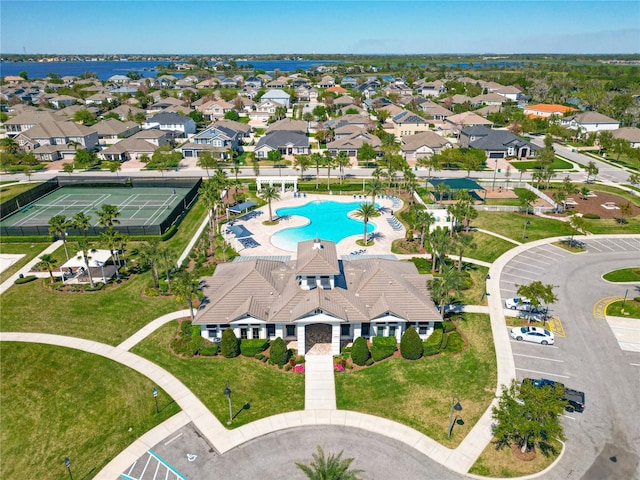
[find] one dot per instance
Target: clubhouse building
(317, 298)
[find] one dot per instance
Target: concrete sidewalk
(27, 268)
(319, 384)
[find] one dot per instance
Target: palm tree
(365, 212)
(434, 162)
(269, 193)
(150, 255)
(85, 247)
(443, 287)
(48, 262)
(108, 216)
(342, 160)
(211, 197)
(333, 467)
(316, 158)
(58, 226)
(206, 160)
(302, 163)
(331, 162)
(185, 287)
(462, 243)
(440, 246)
(109, 239)
(374, 188)
(441, 189)
(82, 222)
(423, 219)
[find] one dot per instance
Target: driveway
(602, 442)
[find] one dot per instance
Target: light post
(495, 170)
(67, 463)
(155, 397)
(455, 405)
(227, 392)
(524, 230)
(484, 292)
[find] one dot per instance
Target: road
(603, 441)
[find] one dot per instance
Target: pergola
(455, 184)
(285, 180)
(75, 269)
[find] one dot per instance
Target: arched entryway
(318, 338)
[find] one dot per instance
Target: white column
(335, 339)
(301, 334)
(357, 330)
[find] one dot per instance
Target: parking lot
(587, 354)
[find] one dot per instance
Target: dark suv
(574, 398)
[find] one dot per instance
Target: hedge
(252, 347)
(455, 343)
(411, 345)
(432, 344)
(229, 344)
(383, 347)
(448, 326)
(278, 352)
(591, 216)
(360, 351)
(27, 279)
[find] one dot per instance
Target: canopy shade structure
(239, 231)
(97, 258)
(75, 269)
(456, 183)
(242, 207)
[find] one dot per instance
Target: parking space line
(543, 373)
(591, 247)
(567, 416)
(525, 263)
(521, 269)
(519, 276)
(633, 247)
(532, 344)
(526, 257)
(538, 358)
(604, 246)
(635, 364)
(552, 252)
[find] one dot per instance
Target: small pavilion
(453, 185)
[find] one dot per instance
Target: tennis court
(143, 210)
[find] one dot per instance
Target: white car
(533, 334)
(516, 303)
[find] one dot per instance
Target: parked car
(514, 303)
(533, 334)
(575, 399)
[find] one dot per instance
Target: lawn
(558, 164)
(11, 191)
(266, 389)
(75, 405)
(109, 316)
(418, 393)
(610, 225)
(511, 225)
(623, 275)
(504, 464)
(631, 309)
(31, 250)
(488, 247)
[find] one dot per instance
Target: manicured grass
(268, 391)
(558, 164)
(511, 225)
(488, 248)
(503, 464)
(418, 393)
(11, 191)
(513, 202)
(74, 404)
(609, 225)
(623, 275)
(631, 309)
(474, 294)
(30, 250)
(187, 228)
(107, 316)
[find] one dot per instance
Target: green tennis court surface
(138, 206)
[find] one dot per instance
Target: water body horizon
(104, 70)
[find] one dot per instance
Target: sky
(311, 26)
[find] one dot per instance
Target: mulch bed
(526, 456)
(593, 205)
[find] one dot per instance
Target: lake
(104, 70)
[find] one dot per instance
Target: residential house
(488, 99)
(326, 82)
(288, 136)
(13, 79)
(29, 119)
(277, 84)
(546, 110)
(352, 143)
(587, 122)
(215, 109)
(364, 122)
(630, 134)
(265, 109)
(62, 101)
(423, 144)
(158, 138)
(120, 79)
(253, 82)
(510, 92)
(430, 89)
(111, 130)
(208, 83)
(434, 111)
(242, 128)
(455, 123)
(497, 143)
(408, 123)
(172, 122)
(127, 112)
(100, 99)
(277, 96)
(128, 149)
(215, 139)
(55, 140)
(316, 298)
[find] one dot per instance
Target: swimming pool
(327, 219)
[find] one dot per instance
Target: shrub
(411, 345)
(258, 356)
(300, 359)
(591, 216)
(369, 362)
(360, 351)
(27, 279)
(181, 345)
(431, 346)
(251, 347)
(448, 326)
(229, 344)
(383, 347)
(455, 343)
(287, 367)
(278, 352)
(209, 349)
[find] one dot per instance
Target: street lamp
(67, 463)
(227, 392)
(484, 291)
(495, 170)
(155, 397)
(455, 405)
(524, 230)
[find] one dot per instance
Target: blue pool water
(328, 220)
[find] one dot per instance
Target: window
(255, 332)
(380, 331)
(243, 333)
(345, 330)
(366, 330)
(392, 330)
(291, 330)
(271, 329)
(423, 328)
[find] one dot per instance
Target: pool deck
(383, 234)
